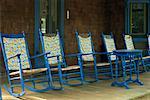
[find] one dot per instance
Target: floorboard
(92, 91)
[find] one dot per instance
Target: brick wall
(17, 16)
(93, 15)
(117, 19)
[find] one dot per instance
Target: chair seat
(29, 72)
(146, 57)
(67, 68)
(98, 64)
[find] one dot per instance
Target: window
(49, 15)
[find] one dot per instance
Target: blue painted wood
(39, 55)
(10, 87)
(64, 77)
(134, 64)
(149, 16)
(62, 17)
(36, 29)
(0, 93)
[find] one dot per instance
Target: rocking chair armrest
(73, 55)
(17, 55)
(97, 53)
(53, 56)
(103, 53)
(20, 66)
(145, 49)
(87, 54)
(39, 55)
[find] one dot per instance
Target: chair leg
(11, 92)
(144, 67)
(82, 75)
(33, 83)
(60, 77)
(96, 71)
(12, 89)
(10, 86)
(111, 68)
(81, 70)
(51, 81)
(68, 79)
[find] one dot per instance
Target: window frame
(127, 14)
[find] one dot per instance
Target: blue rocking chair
(19, 69)
(70, 75)
(102, 71)
(109, 44)
(129, 45)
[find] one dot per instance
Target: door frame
(37, 24)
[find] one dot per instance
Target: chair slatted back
(52, 43)
(12, 45)
(109, 45)
(85, 46)
(129, 42)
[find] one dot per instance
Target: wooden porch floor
(94, 91)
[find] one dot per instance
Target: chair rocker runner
(86, 48)
(19, 69)
(53, 42)
(129, 44)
